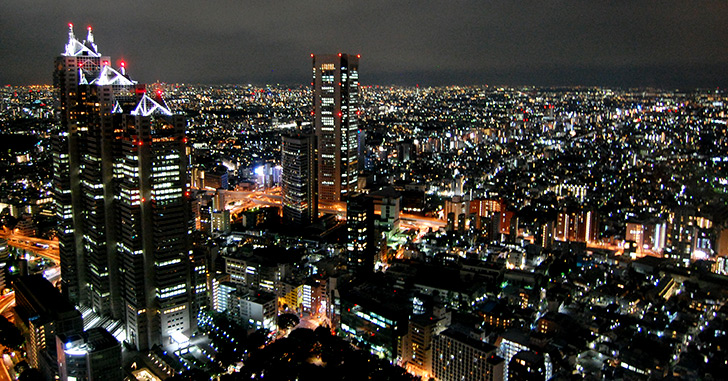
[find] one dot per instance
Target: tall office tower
(299, 186)
(120, 187)
(67, 247)
(79, 60)
(361, 237)
(336, 125)
(88, 89)
(153, 223)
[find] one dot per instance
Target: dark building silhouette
(361, 237)
(42, 313)
(527, 366)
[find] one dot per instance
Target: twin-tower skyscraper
(120, 179)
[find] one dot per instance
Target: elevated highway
(38, 246)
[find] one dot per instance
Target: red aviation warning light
(339, 54)
(311, 55)
(358, 56)
(70, 25)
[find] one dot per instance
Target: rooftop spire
(90, 40)
(89, 35)
(71, 40)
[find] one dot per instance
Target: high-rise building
(71, 67)
(361, 237)
(336, 123)
(299, 186)
(417, 345)
(576, 225)
(121, 198)
(152, 224)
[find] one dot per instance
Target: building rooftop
(461, 337)
(41, 295)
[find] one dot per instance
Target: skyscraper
(299, 186)
(71, 68)
(89, 89)
(336, 113)
(361, 237)
(152, 223)
(120, 191)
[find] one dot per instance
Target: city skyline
(523, 43)
(174, 230)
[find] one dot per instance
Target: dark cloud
(561, 42)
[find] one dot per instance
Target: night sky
(666, 43)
